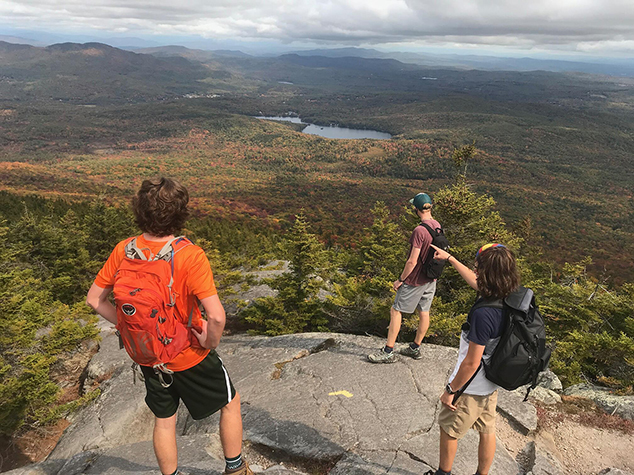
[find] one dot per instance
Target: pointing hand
(440, 254)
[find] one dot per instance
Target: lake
(331, 131)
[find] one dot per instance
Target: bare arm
(468, 367)
(467, 274)
(212, 328)
(97, 299)
(409, 266)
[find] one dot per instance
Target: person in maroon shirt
(414, 290)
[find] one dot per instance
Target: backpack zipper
(135, 290)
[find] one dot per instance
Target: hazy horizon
(566, 30)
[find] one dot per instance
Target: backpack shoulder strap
(432, 232)
(181, 243)
(492, 303)
(132, 251)
(481, 302)
(167, 250)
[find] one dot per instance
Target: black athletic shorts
(205, 389)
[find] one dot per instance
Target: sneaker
(382, 357)
(408, 351)
(243, 470)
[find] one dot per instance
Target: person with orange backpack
(158, 281)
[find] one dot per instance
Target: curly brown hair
(160, 206)
(497, 273)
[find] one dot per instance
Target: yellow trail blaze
(340, 393)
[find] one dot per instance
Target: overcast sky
(594, 27)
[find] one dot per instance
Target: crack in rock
(103, 430)
(393, 461)
(416, 458)
(324, 345)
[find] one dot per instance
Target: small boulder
(613, 471)
(622, 406)
(545, 396)
(549, 380)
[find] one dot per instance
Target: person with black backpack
(502, 341)
(416, 286)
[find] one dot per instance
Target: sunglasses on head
(488, 246)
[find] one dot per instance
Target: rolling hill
(92, 72)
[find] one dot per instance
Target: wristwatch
(449, 389)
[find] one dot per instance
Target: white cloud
(574, 25)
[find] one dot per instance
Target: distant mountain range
(206, 51)
(195, 54)
(610, 67)
(92, 72)
(21, 41)
(614, 67)
(95, 73)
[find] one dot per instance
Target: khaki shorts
(477, 412)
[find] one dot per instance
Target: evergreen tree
(590, 325)
(36, 329)
(362, 297)
(57, 246)
(104, 226)
(296, 307)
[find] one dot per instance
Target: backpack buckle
(161, 371)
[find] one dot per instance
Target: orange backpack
(147, 323)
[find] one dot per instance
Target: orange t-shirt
(192, 278)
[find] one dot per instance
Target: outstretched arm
(97, 299)
(467, 274)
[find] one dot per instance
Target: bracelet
(399, 280)
(450, 256)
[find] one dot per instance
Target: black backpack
(433, 267)
(521, 354)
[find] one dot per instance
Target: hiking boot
(382, 356)
(409, 351)
(242, 470)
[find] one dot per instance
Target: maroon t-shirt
(420, 239)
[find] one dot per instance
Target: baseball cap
(420, 200)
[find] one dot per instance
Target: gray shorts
(409, 298)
